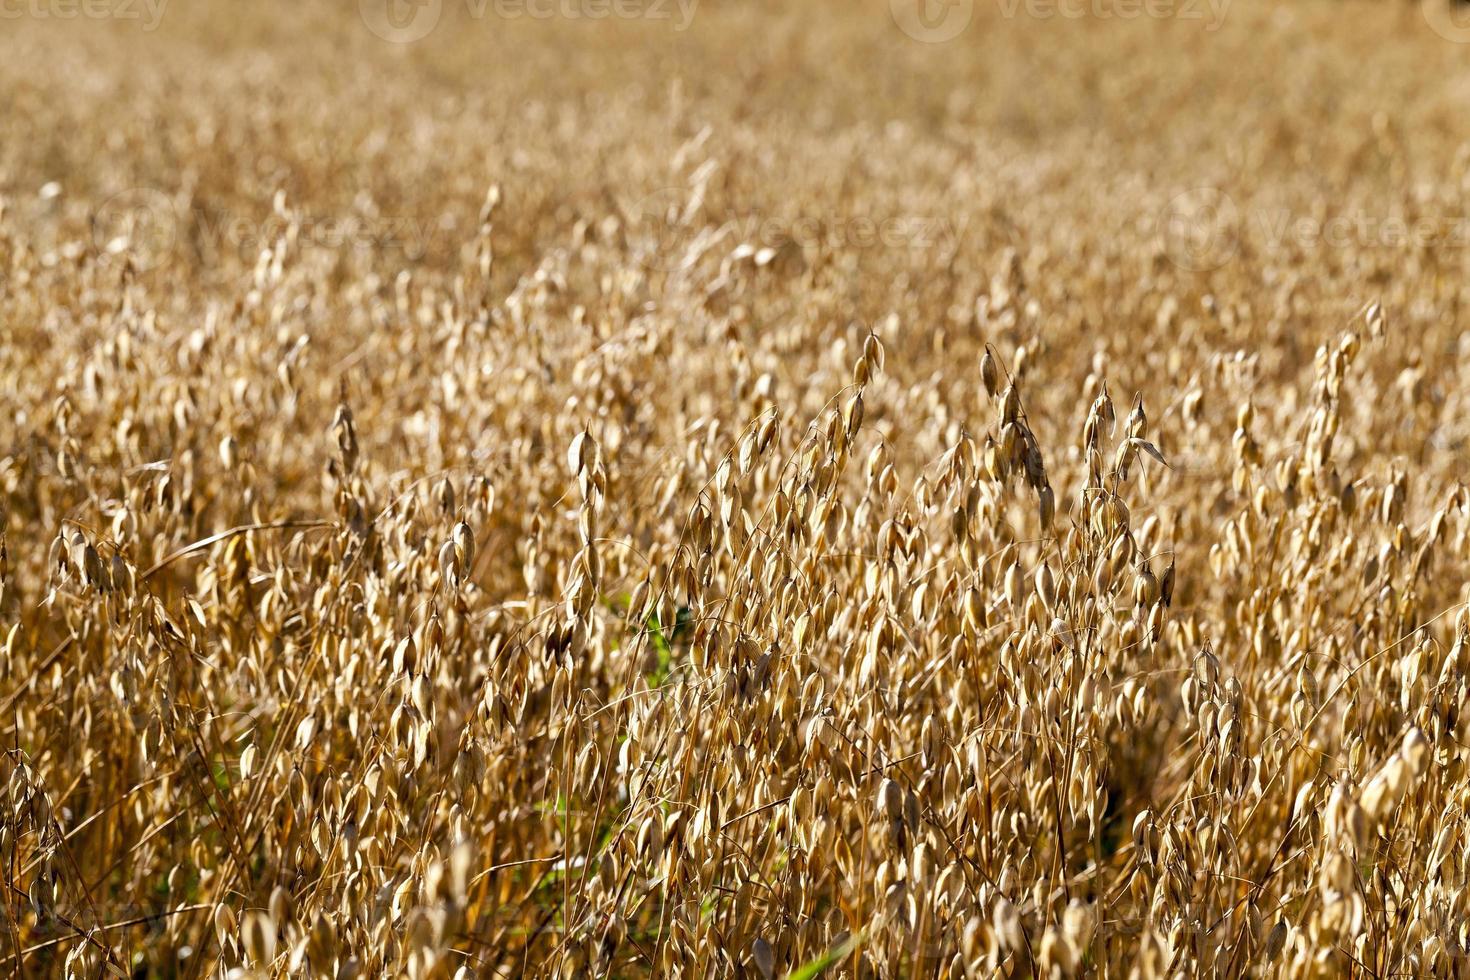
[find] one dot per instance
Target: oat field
(723, 488)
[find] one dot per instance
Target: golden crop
(628, 488)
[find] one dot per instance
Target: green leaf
(832, 957)
(661, 647)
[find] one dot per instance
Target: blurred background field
(734, 489)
